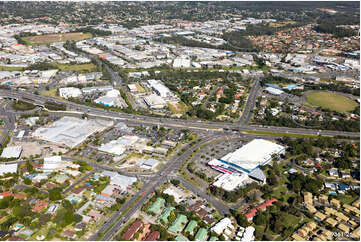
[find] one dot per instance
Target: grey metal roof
(258, 174)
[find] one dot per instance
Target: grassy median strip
(281, 134)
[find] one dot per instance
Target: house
(323, 198)
(319, 216)
(135, 227)
(307, 197)
(335, 203)
(153, 236)
(251, 213)
(333, 172)
(69, 234)
(331, 222)
(344, 228)
(94, 214)
(345, 174)
(80, 226)
(39, 206)
(6, 194)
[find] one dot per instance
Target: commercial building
(118, 147)
(182, 62)
(8, 168)
(68, 92)
(51, 163)
(149, 164)
(273, 91)
(159, 88)
(12, 152)
(71, 131)
(253, 155)
(230, 182)
(248, 234)
(111, 99)
(154, 101)
(122, 182)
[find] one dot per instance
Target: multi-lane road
(169, 122)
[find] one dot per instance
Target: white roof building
(256, 153)
(248, 234)
(150, 164)
(182, 62)
(71, 131)
(113, 148)
(159, 88)
(172, 192)
(51, 163)
(154, 101)
(133, 88)
(12, 152)
(222, 225)
(230, 182)
(68, 92)
(274, 91)
(119, 180)
(8, 168)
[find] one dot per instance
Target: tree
(260, 219)
(55, 194)
(175, 182)
(27, 181)
(78, 218)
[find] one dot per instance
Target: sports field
(332, 101)
(51, 38)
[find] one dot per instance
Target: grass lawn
(51, 93)
(140, 88)
(77, 67)
(346, 199)
(281, 134)
(10, 68)
(23, 106)
(177, 107)
(51, 38)
(332, 101)
(291, 220)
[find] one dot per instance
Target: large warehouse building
(256, 153)
(245, 163)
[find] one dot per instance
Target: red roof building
(40, 205)
(128, 235)
(153, 236)
(6, 194)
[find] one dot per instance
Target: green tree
(55, 194)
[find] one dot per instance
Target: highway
(169, 122)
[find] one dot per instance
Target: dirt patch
(50, 38)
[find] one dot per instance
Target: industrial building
(123, 182)
(111, 99)
(245, 163)
(159, 88)
(273, 91)
(12, 152)
(8, 168)
(253, 155)
(71, 131)
(155, 102)
(68, 92)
